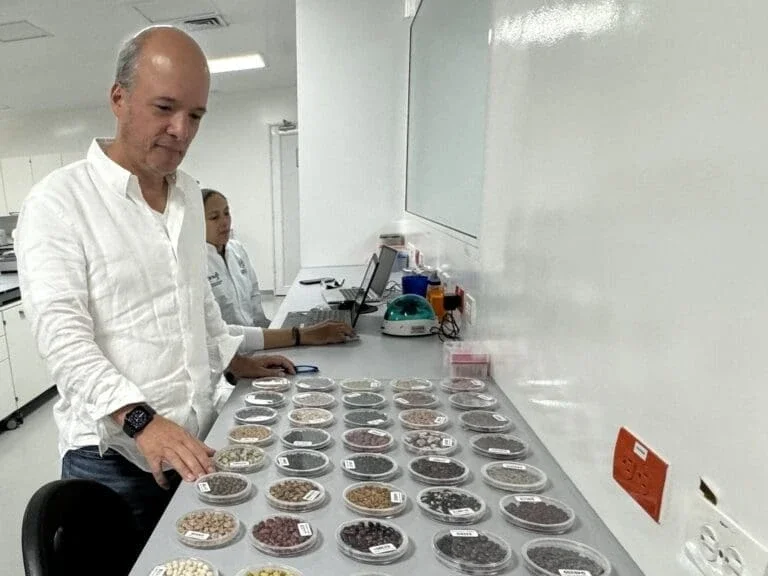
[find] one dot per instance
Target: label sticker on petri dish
(439, 459)
(377, 432)
(464, 533)
(377, 422)
(239, 464)
(485, 397)
(532, 499)
(305, 529)
(461, 512)
(260, 401)
(564, 572)
(256, 418)
(440, 420)
(382, 548)
(514, 466)
(374, 385)
(354, 395)
(349, 464)
(499, 418)
(302, 444)
(498, 451)
(396, 497)
(401, 401)
(196, 535)
(157, 571)
(311, 495)
(446, 442)
(283, 461)
(204, 488)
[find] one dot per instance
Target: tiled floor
(28, 459)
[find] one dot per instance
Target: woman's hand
(326, 333)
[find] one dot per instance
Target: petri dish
(272, 384)
(369, 467)
(240, 458)
(372, 540)
(253, 434)
(451, 505)
(375, 499)
(472, 551)
(499, 446)
(537, 513)
(411, 385)
(453, 385)
(283, 535)
(553, 556)
(363, 400)
(360, 385)
(195, 528)
(367, 440)
(514, 476)
(310, 417)
(472, 401)
(255, 415)
(223, 488)
(296, 494)
(423, 419)
(425, 442)
(406, 400)
(313, 400)
(440, 470)
(311, 438)
(365, 417)
(302, 463)
(485, 421)
(316, 384)
(265, 398)
(271, 569)
(180, 564)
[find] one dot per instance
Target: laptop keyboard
(316, 316)
(349, 293)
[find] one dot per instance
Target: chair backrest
(73, 527)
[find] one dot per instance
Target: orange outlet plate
(640, 472)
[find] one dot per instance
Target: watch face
(137, 419)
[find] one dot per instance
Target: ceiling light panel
(235, 63)
(22, 30)
(172, 10)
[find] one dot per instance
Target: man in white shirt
(111, 255)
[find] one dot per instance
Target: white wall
(352, 97)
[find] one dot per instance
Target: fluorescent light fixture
(235, 63)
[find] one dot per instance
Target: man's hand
(326, 333)
(261, 366)
(165, 441)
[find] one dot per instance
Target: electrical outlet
(718, 546)
(470, 309)
(640, 472)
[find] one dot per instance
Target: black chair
(73, 527)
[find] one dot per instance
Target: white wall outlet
(470, 309)
(720, 547)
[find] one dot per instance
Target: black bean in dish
(438, 470)
(371, 540)
(472, 551)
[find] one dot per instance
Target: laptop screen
(365, 285)
(387, 257)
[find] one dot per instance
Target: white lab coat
(235, 286)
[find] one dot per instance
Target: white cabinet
(30, 377)
(17, 180)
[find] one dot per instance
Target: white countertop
(9, 281)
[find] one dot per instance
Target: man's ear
(117, 97)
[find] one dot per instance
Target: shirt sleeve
(54, 284)
(259, 318)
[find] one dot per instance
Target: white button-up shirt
(235, 286)
(119, 303)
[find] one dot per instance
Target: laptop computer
(350, 316)
(387, 257)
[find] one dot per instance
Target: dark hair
(208, 192)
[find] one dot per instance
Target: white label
(197, 535)
(305, 529)
(401, 401)
(440, 460)
(533, 499)
(378, 422)
(564, 572)
(311, 495)
(446, 442)
(499, 418)
(485, 397)
(441, 420)
(464, 533)
(382, 548)
(302, 396)
(260, 401)
(302, 444)
(396, 497)
(353, 395)
(513, 466)
(256, 418)
(375, 385)
(239, 464)
(377, 432)
(461, 512)
(498, 451)
(203, 487)
(641, 451)
(349, 464)
(157, 571)
(283, 461)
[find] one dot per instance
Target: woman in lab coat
(236, 288)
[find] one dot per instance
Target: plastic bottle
(435, 294)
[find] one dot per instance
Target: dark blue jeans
(138, 488)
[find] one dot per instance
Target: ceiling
(74, 67)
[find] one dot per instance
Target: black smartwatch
(137, 419)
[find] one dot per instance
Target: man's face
(159, 116)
